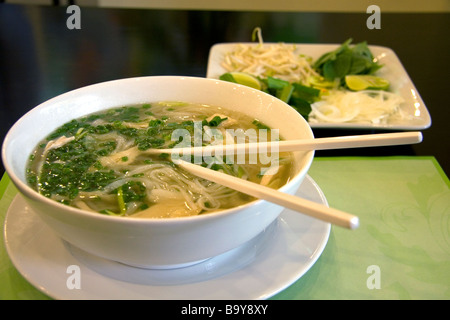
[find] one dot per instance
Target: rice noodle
(153, 186)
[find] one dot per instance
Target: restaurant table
(403, 206)
(399, 192)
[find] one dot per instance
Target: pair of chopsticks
(313, 209)
(360, 141)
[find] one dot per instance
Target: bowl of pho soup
(83, 162)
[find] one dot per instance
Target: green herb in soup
(101, 162)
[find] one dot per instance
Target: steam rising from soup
(100, 162)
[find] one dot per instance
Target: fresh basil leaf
(332, 55)
(363, 50)
(360, 65)
(345, 60)
(339, 67)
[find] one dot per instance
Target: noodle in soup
(101, 162)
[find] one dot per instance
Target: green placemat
(12, 284)
(400, 251)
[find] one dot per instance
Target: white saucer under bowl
(259, 269)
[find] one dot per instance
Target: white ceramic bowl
(149, 243)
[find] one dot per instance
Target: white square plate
(418, 117)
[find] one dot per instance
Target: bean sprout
(279, 60)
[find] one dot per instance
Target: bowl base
(179, 274)
(165, 267)
(78, 251)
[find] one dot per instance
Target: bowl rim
(33, 194)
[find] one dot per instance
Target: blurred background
(41, 58)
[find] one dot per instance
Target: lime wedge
(320, 82)
(366, 82)
(246, 79)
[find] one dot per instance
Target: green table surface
(401, 249)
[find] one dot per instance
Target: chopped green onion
(164, 156)
(285, 93)
(240, 172)
(260, 125)
(276, 84)
(109, 212)
(216, 121)
(120, 200)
